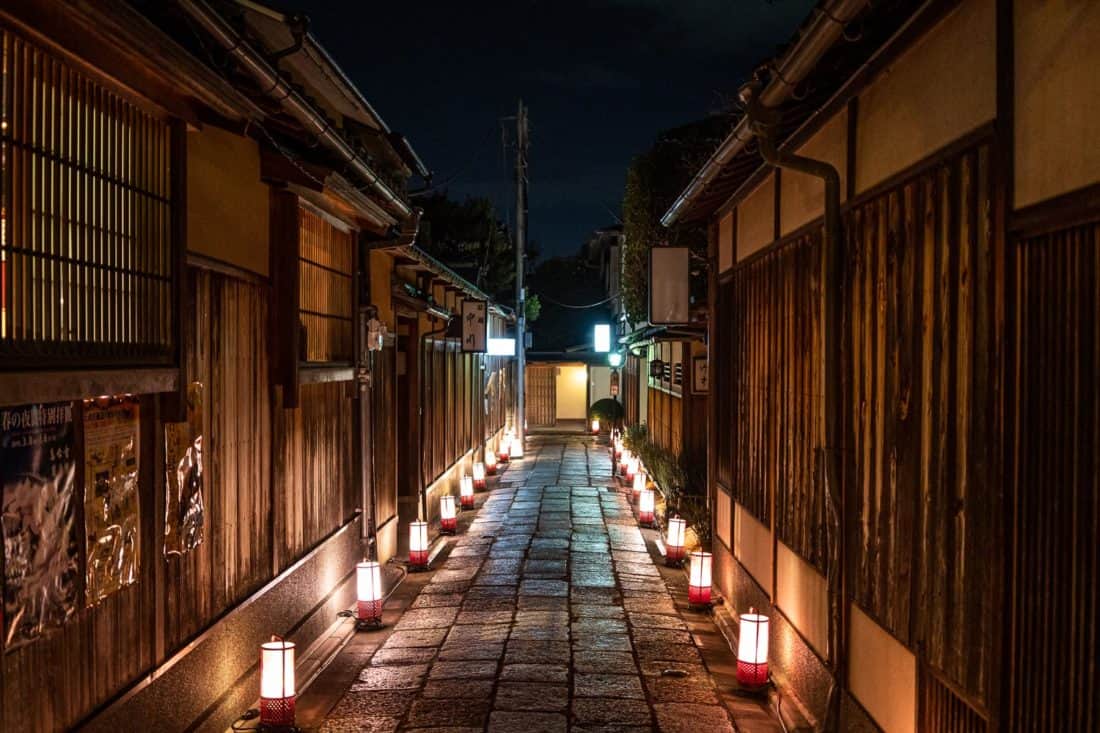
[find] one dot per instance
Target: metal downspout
(279, 89)
(762, 120)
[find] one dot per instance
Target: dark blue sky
(601, 79)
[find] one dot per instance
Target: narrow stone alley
(547, 613)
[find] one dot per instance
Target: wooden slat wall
(1052, 678)
(454, 403)
(384, 446)
(721, 384)
(630, 395)
(314, 478)
(665, 420)
(225, 330)
(325, 281)
(920, 359)
(85, 258)
(540, 399)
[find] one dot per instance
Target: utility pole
(521, 246)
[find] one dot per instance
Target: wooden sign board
(475, 326)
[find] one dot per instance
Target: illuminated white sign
(603, 338)
(502, 347)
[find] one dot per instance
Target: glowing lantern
(447, 521)
(504, 449)
(490, 463)
(645, 506)
(277, 683)
(624, 461)
(699, 585)
(631, 468)
(368, 587)
(674, 543)
(752, 649)
(639, 484)
(516, 449)
(595, 426)
(466, 491)
(618, 449)
(479, 476)
(418, 544)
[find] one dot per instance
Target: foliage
(653, 181)
(468, 237)
(683, 479)
(532, 308)
(607, 409)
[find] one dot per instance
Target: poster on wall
(112, 520)
(184, 512)
(38, 477)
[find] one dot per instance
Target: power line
(576, 307)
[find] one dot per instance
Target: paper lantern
(418, 544)
(504, 448)
(277, 683)
(752, 649)
(490, 463)
(595, 426)
(699, 585)
(631, 468)
(645, 506)
(368, 587)
(447, 521)
(466, 491)
(674, 543)
(639, 484)
(617, 449)
(479, 476)
(515, 450)
(624, 460)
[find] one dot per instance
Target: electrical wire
(548, 299)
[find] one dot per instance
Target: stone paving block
(696, 690)
(541, 633)
(588, 610)
(690, 718)
(536, 652)
(407, 677)
(555, 588)
(484, 617)
(427, 618)
(599, 661)
(531, 696)
(373, 703)
(437, 713)
(456, 575)
(668, 652)
(501, 721)
(360, 724)
(645, 604)
(477, 634)
(444, 669)
(589, 711)
(496, 603)
(542, 618)
(459, 689)
(487, 651)
(510, 580)
(404, 655)
(608, 685)
(606, 642)
(436, 600)
(558, 673)
(590, 625)
(542, 603)
(656, 621)
(416, 637)
(662, 636)
(448, 588)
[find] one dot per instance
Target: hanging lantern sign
(699, 584)
(674, 542)
(277, 683)
(447, 521)
(645, 507)
(418, 545)
(752, 650)
(368, 586)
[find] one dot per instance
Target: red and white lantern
(418, 544)
(448, 523)
(699, 584)
(466, 492)
(595, 426)
(752, 649)
(617, 450)
(504, 449)
(631, 468)
(490, 463)
(645, 506)
(368, 588)
(674, 542)
(479, 476)
(277, 691)
(515, 450)
(639, 484)
(624, 461)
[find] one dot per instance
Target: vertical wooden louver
(85, 248)
(325, 283)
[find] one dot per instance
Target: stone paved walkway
(547, 614)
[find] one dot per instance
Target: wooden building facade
(186, 260)
(939, 575)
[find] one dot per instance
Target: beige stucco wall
(228, 207)
(882, 674)
(725, 242)
(802, 594)
(1057, 97)
(753, 547)
(571, 383)
(723, 522)
(939, 90)
(756, 219)
(599, 383)
(801, 196)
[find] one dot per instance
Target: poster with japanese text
(184, 512)
(38, 477)
(112, 520)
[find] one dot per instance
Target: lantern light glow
(602, 338)
(479, 476)
(368, 591)
(639, 484)
(447, 521)
(752, 649)
(624, 461)
(277, 683)
(490, 463)
(674, 543)
(699, 584)
(466, 491)
(645, 506)
(595, 426)
(631, 468)
(515, 450)
(504, 449)
(418, 544)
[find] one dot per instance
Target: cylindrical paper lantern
(466, 492)
(368, 585)
(752, 650)
(479, 476)
(447, 521)
(277, 682)
(674, 543)
(645, 506)
(699, 584)
(418, 544)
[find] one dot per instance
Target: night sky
(601, 79)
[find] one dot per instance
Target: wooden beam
(23, 388)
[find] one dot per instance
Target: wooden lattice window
(325, 287)
(86, 266)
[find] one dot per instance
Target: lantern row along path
(548, 612)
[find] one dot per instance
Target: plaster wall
(599, 383)
(756, 219)
(802, 594)
(1057, 97)
(802, 196)
(882, 674)
(228, 207)
(723, 522)
(571, 385)
(936, 92)
(753, 547)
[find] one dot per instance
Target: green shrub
(682, 479)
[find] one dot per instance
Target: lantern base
(674, 556)
(368, 611)
(448, 526)
(277, 713)
(752, 677)
(491, 470)
(479, 484)
(645, 518)
(418, 560)
(467, 502)
(699, 598)
(369, 624)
